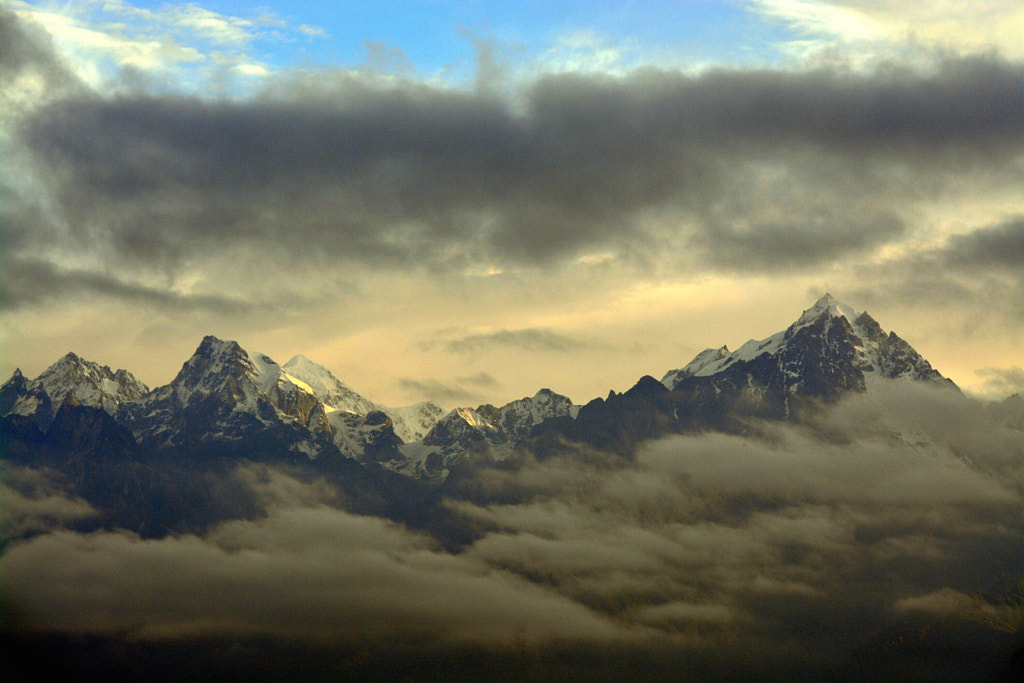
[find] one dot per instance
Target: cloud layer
(742, 169)
(805, 550)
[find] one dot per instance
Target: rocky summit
(830, 350)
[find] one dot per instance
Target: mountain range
(226, 402)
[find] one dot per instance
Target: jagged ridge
(225, 394)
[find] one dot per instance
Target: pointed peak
(214, 353)
(647, 386)
(210, 341)
(212, 347)
(16, 380)
(865, 317)
(826, 299)
(69, 365)
(827, 305)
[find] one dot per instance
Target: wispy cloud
(102, 40)
(531, 339)
(878, 30)
(312, 31)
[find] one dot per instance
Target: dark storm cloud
(27, 282)
(999, 246)
(817, 234)
(756, 168)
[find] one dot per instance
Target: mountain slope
(410, 423)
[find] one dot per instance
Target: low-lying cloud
(808, 546)
(304, 571)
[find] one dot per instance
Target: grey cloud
(529, 339)
(33, 505)
(440, 392)
(1000, 246)
(28, 282)
(339, 168)
(982, 269)
(890, 498)
(305, 571)
(819, 235)
(481, 379)
(28, 50)
(1002, 382)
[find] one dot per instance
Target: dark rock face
(617, 423)
(456, 431)
(215, 398)
(89, 432)
(379, 441)
(12, 390)
(900, 360)
(378, 418)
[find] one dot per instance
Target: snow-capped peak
(214, 361)
(411, 423)
(827, 304)
(708, 359)
(543, 405)
(312, 373)
(856, 341)
(93, 385)
(334, 393)
(269, 374)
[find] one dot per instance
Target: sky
(467, 202)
